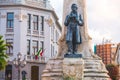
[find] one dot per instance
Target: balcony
(29, 31)
(9, 2)
(39, 4)
(9, 30)
(9, 54)
(32, 3)
(35, 32)
(31, 58)
(35, 3)
(42, 33)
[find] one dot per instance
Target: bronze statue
(73, 22)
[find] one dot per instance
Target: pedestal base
(95, 70)
(73, 69)
(53, 70)
(73, 55)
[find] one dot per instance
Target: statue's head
(74, 7)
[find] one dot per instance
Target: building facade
(27, 26)
(106, 52)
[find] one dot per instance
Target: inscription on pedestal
(73, 69)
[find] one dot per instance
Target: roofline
(22, 5)
(43, 9)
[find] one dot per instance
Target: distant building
(106, 52)
(27, 26)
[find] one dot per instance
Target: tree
(113, 71)
(3, 56)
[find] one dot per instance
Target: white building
(27, 26)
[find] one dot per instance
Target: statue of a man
(73, 22)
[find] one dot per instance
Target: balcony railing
(33, 3)
(10, 2)
(9, 30)
(29, 31)
(42, 33)
(9, 54)
(39, 3)
(35, 32)
(40, 59)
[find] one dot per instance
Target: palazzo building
(27, 26)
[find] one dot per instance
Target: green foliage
(113, 71)
(3, 56)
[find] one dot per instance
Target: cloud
(103, 18)
(58, 6)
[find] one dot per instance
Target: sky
(103, 19)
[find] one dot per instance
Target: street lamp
(19, 63)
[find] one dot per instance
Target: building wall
(21, 33)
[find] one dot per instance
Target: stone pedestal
(95, 70)
(64, 69)
(73, 69)
(53, 70)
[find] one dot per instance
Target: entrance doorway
(8, 72)
(34, 73)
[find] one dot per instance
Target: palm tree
(3, 56)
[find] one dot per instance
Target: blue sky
(103, 18)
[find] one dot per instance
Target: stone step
(95, 70)
(91, 67)
(96, 75)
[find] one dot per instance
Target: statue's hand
(69, 18)
(77, 19)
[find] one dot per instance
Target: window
(10, 20)
(35, 46)
(52, 50)
(42, 23)
(29, 21)
(9, 50)
(28, 47)
(57, 36)
(52, 33)
(35, 22)
(42, 45)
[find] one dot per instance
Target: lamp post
(19, 63)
